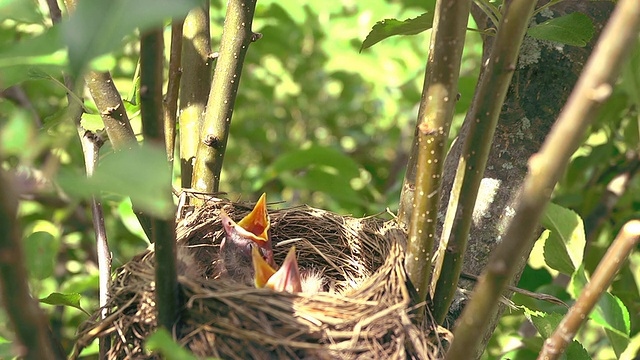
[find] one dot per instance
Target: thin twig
(173, 87)
(91, 144)
(602, 278)
(545, 168)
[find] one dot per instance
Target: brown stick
(602, 278)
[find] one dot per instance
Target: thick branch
(485, 110)
(545, 168)
(236, 38)
(195, 87)
(109, 103)
(434, 121)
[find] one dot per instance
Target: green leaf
(71, 299)
(573, 29)
(141, 173)
(162, 343)
(390, 27)
(44, 53)
(25, 11)
(41, 251)
(609, 313)
(543, 322)
(315, 156)
(564, 248)
(97, 27)
(546, 324)
(17, 134)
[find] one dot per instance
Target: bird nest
(366, 312)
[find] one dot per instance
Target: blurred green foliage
(316, 122)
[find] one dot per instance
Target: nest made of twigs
(365, 314)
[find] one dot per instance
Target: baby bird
(288, 278)
(249, 234)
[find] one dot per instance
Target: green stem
(195, 87)
(173, 87)
(162, 229)
(545, 168)
(434, 121)
(236, 38)
(485, 110)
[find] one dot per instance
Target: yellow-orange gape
(288, 278)
(250, 233)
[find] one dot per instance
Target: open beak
(262, 271)
(257, 223)
(287, 278)
(252, 229)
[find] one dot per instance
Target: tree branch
(595, 86)
(236, 38)
(32, 330)
(434, 121)
(602, 278)
(173, 87)
(195, 87)
(162, 229)
(485, 111)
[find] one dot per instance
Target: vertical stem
(33, 337)
(236, 38)
(162, 230)
(485, 111)
(545, 168)
(91, 144)
(173, 87)
(435, 116)
(195, 87)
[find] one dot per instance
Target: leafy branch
(546, 167)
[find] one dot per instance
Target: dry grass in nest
(366, 315)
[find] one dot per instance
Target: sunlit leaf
(71, 299)
(97, 27)
(391, 27)
(573, 29)
(609, 313)
(564, 248)
(24, 11)
(43, 52)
